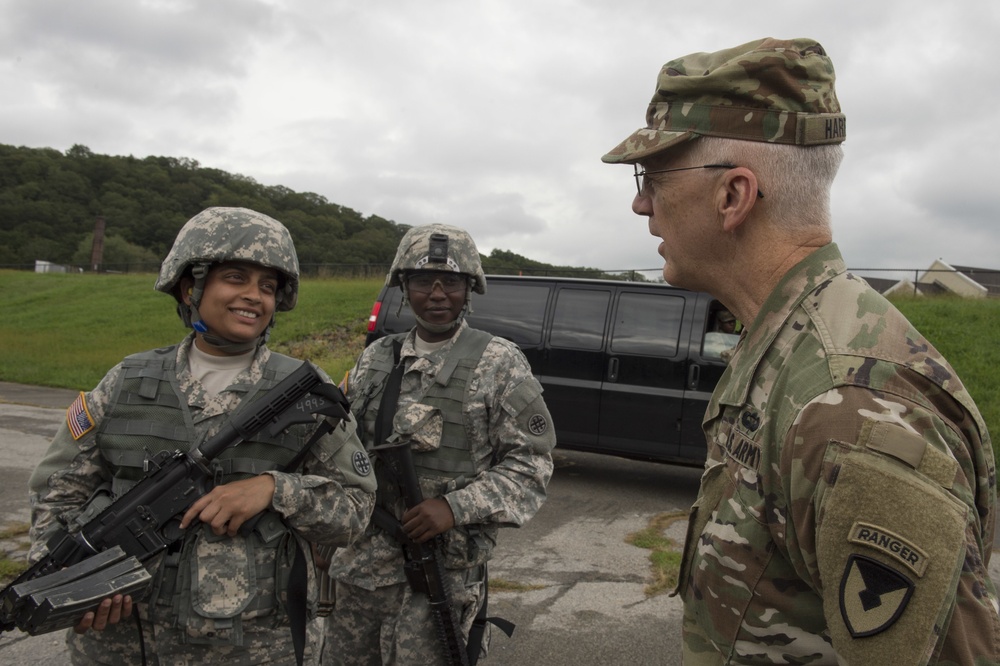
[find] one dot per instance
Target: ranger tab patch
(893, 545)
(872, 596)
(78, 418)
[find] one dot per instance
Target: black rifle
(77, 572)
(424, 571)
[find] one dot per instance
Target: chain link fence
(964, 280)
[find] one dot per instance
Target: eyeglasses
(423, 283)
(640, 174)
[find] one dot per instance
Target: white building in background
(944, 278)
(49, 267)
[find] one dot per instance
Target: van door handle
(694, 376)
(613, 370)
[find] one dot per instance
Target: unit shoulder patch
(538, 424)
(872, 596)
(362, 463)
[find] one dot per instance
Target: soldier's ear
(184, 287)
(736, 197)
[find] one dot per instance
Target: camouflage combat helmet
(770, 90)
(228, 234)
(233, 234)
(438, 247)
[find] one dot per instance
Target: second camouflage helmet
(438, 247)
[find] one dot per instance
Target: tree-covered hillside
(50, 202)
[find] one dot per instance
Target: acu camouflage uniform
(482, 437)
(847, 508)
(216, 599)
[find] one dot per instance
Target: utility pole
(97, 249)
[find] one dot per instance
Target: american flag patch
(78, 418)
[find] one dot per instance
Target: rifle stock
(145, 520)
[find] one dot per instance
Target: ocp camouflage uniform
(216, 599)
(488, 455)
(847, 508)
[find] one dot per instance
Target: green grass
(504, 585)
(965, 331)
(67, 330)
(12, 567)
(665, 554)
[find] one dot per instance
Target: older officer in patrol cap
(481, 436)
(847, 507)
(220, 596)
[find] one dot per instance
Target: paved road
(589, 606)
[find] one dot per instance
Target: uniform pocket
(713, 481)
(223, 581)
(469, 545)
(727, 550)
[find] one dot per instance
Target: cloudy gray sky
(493, 115)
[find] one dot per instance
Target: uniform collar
(436, 357)
(803, 279)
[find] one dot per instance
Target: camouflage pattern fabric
(328, 503)
(233, 234)
(395, 623)
(455, 253)
(847, 509)
(771, 90)
(510, 438)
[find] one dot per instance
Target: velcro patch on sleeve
(892, 440)
(891, 545)
(78, 418)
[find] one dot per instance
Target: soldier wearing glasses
(847, 508)
(481, 435)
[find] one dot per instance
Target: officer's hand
(111, 611)
(428, 519)
(227, 507)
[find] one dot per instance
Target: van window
(579, 317)
(512, 311)
(647, 324)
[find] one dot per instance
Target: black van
(627, 367)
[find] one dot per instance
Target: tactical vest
(147, 414)
(447, 392)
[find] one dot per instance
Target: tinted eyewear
(424, 284)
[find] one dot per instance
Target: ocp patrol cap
(769, 90)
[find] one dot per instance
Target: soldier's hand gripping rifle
(424, 571)
(103, 558)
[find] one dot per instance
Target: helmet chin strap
(440, 328)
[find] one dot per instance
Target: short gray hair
(795, 180)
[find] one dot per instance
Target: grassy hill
(67, 330)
